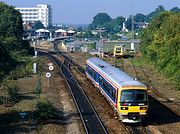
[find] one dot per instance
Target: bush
(160, 44)
(44, 110)
(13, 93)
(12, 90)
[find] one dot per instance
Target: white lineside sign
(51, 67)
(48, 75)
(132, 46)
(34, 67)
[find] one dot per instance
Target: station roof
(71, 31)
(42, 30)
(60, 31)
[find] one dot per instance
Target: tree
(10, 22)
(175, 10)
(155, 13)
(128, 23)
(12, 47)
(38, 25)
(160, 9)
(50, 27)
(139, 17)
(117, 23)
(101, 19)
(160, 44)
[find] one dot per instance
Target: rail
(89, 117)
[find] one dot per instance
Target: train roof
(114, 74)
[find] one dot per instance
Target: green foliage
(175, 10)
(21, 71)
(161, 44)
(13, 93)
(140, 17)
(38, 25)
(155, 13)
(117, 24)
(10, 22)
(44, 110)
(12, 90)
(101, 19)
(113, 37)
(92, 46)
(12, 47)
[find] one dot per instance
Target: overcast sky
(83, 11)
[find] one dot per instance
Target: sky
(83, 11)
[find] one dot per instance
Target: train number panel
(127, 96)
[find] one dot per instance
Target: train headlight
(143, 108)
(124, 108)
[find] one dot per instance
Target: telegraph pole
(101, 53)
(132, 27)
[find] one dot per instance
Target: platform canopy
(42, 31)
(60, 31)
(70, 31)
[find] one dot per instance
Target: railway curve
(89, 117)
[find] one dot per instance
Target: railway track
(159, 113)
(152, 90)
(131, 129)
(88, 115)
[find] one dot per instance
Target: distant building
(41, 12)
(124, 29)
(141, 24)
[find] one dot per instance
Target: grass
(143, 63)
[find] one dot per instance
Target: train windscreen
(133, 96)
(118, 48)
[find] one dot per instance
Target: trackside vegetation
(15, 58)
(161, 44)
(12, 48)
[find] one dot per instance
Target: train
(119, 51)
(127, 96)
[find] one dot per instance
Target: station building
(41, 12)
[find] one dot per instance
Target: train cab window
(141, 96)
(133, 96)
(127, 96)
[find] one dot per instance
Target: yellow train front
(118, 51)
(133, 104)
(127, 96)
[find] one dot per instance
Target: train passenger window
(100, 79)
(113, 94)
(87, 68)
(90, 71)
(97, 77)
(94, 74)
(106, 87)
(110, 90)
